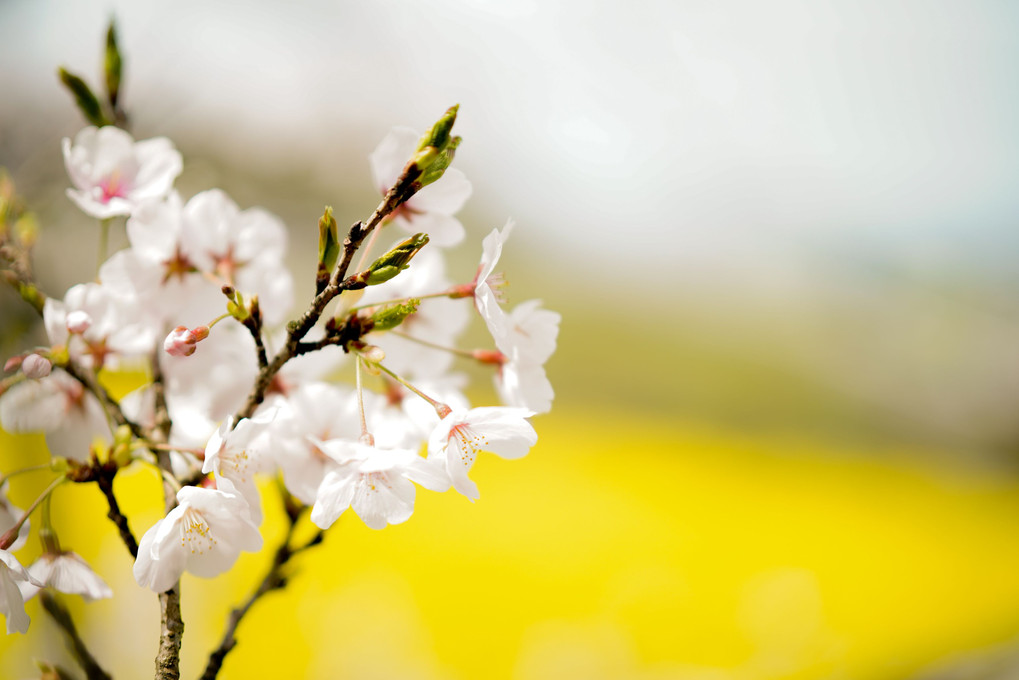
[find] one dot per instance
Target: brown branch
(405, 187)
(62, 617)
(105, 481)
(171, 624)
(274, 580)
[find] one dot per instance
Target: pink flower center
(113, 187)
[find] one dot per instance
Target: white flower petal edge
(461, 435)
(375, 482)
(67, 573)
(12, 603)
(486, 300)
(203, 535)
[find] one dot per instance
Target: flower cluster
(354, 403)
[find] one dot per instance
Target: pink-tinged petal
(446, 196)
(89, 205)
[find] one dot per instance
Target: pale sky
(702, 130)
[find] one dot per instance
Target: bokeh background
(783, 240)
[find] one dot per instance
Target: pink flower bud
(13, 363)
(181, 342)
(78, 322)
(35, 366)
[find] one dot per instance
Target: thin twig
(274, 580)
(62, 617)
(105, 481)
(404, 188)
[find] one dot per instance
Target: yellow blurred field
(619, 548)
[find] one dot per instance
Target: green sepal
(328, 241)
(84, 98)
(392, 316)
(396, 260)
(436, 148)
(113, 65)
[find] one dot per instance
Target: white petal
(158, 574)
(334, 497)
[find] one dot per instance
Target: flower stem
(8, 538)
(14, 473)
(104, 242)
(434, 403)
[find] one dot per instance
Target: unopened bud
(435, 149)
(13, 363)
(396, 260)
(78, 322)
(392, 316)
(373, 354)
(489, 356)
(35, 366)
(182, 342)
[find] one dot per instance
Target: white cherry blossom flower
(488, 282)
(65, 572)
(112, 173)
(12, 603)
(531, 331)
(461, 435)
(59, 406)
(376, 483)
(527, 343)
(431, 209)
(203, 535)
(238, 453)
(524, 384)
(112, 331)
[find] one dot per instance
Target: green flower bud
(392, 316)
(396, 260)
(436, 148)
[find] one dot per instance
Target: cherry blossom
(203, 535)
(98, 327)
(237, 453)
(488, 282)
(375, 482)
(65, 572)
(462, 434)
(431, 209)
(59, 406)
(112, 173)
